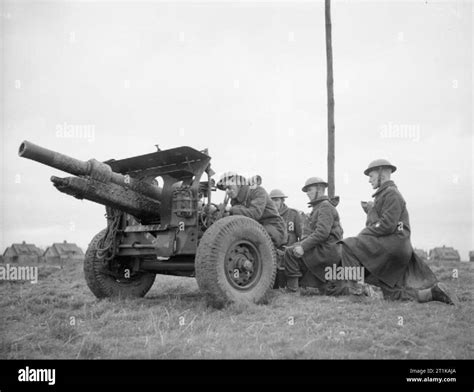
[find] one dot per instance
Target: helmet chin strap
(319, 192)
(379, 179)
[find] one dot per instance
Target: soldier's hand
(211, 209)
(367, 206)
(298, 251)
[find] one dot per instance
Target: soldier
(250, 199)
(294, 227)
(384, 248)
(290, 215)
(319, 248)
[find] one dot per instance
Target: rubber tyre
(104, 286)
(210, 261)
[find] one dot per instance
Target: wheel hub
(241, 265)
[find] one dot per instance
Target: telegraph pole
(330, 94)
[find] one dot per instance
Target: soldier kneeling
(294, 227)
(384, 248)
(306, 262)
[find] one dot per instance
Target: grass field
(60, 318)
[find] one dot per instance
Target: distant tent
(444, 253)
(61, 253)
(471, 255)
(22, 254)
(422, 254)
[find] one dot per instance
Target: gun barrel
(93, 168)
(52, 158)
(111, 195)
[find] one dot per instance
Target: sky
(247, 81)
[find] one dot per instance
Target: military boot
(440, 292)
(292, 284)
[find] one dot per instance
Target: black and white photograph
(237, 180)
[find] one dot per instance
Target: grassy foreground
(60, 318)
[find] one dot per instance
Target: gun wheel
(235, 261)
(117, 281)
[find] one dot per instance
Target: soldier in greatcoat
(293, 222)
(384, 248)
(290, 215)
(318, 248)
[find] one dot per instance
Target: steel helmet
(231, 178)
(277, 193)
(313, 181)
(379, 163)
